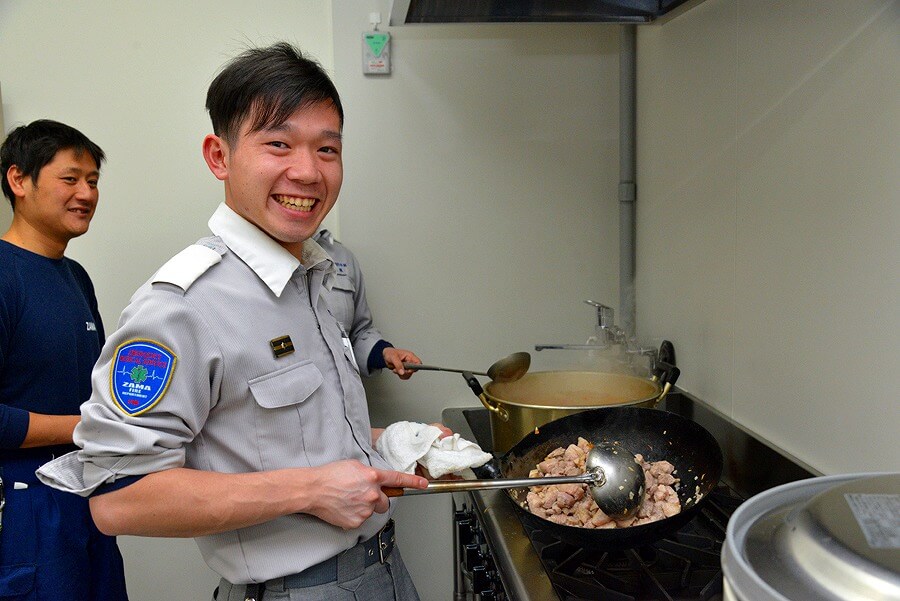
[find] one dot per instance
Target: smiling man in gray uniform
(227, 406)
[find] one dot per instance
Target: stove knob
(465, 531)
(463, 514)
(481, 580)
(472, 556)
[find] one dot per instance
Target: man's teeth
(292, 202)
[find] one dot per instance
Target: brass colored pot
(517, 408)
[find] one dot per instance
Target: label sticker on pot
(878, 517)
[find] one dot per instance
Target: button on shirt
(232, 405)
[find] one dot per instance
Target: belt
(376, 549)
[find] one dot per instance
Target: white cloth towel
(404, 444)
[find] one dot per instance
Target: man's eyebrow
(78, 171)
(286, 127)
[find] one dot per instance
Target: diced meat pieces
(574, 454)
(572, 504)
(660, 499)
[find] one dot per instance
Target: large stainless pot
(830, 538)
(517, 408)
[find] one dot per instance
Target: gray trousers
(389, 581)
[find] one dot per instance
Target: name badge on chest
(281, 346)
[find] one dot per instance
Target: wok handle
(475, 385)
(441, 486)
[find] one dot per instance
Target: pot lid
(839, 540)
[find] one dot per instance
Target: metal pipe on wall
(627, 170)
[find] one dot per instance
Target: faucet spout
(577, 347)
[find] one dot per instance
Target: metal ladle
(508, 369)
(615, 479)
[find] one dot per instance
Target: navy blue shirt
(50, 338)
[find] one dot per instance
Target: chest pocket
(288, 386)
(341, 301)
(344, 283)
(286, 414)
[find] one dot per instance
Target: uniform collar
(325, 235)
(269, 260)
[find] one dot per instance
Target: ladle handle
(418, 366)
(461, 485)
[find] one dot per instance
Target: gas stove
(500, 558)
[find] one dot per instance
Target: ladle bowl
(615, 479)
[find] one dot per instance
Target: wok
(654, 433)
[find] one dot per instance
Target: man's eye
(329, 150)
(70, 180)
(278, 144)
(93, 183)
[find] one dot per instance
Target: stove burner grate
(683, 566)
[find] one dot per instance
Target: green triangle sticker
(376, 42)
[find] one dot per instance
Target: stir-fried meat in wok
(572, 504)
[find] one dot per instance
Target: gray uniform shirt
(347, 300)
(231, 404)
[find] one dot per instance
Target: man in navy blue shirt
(50, 338)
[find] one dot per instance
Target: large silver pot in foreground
(517, 408)
(829, 538)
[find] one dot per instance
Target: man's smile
(297, 203)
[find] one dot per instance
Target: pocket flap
(343, 282)
(288, 386)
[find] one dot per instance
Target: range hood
(636, 12)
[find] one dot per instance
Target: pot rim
(657, 391)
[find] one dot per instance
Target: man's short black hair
(31, 147)
(267, 85)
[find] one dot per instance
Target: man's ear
(16, 178)
(215, 153)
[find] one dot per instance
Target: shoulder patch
(140, 375)
(183, 269)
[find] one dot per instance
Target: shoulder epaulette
(183, 269)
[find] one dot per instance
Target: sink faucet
(607, 330)
(607, 334)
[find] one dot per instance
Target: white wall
(480, 196)
(768, 220)
(133, 77)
